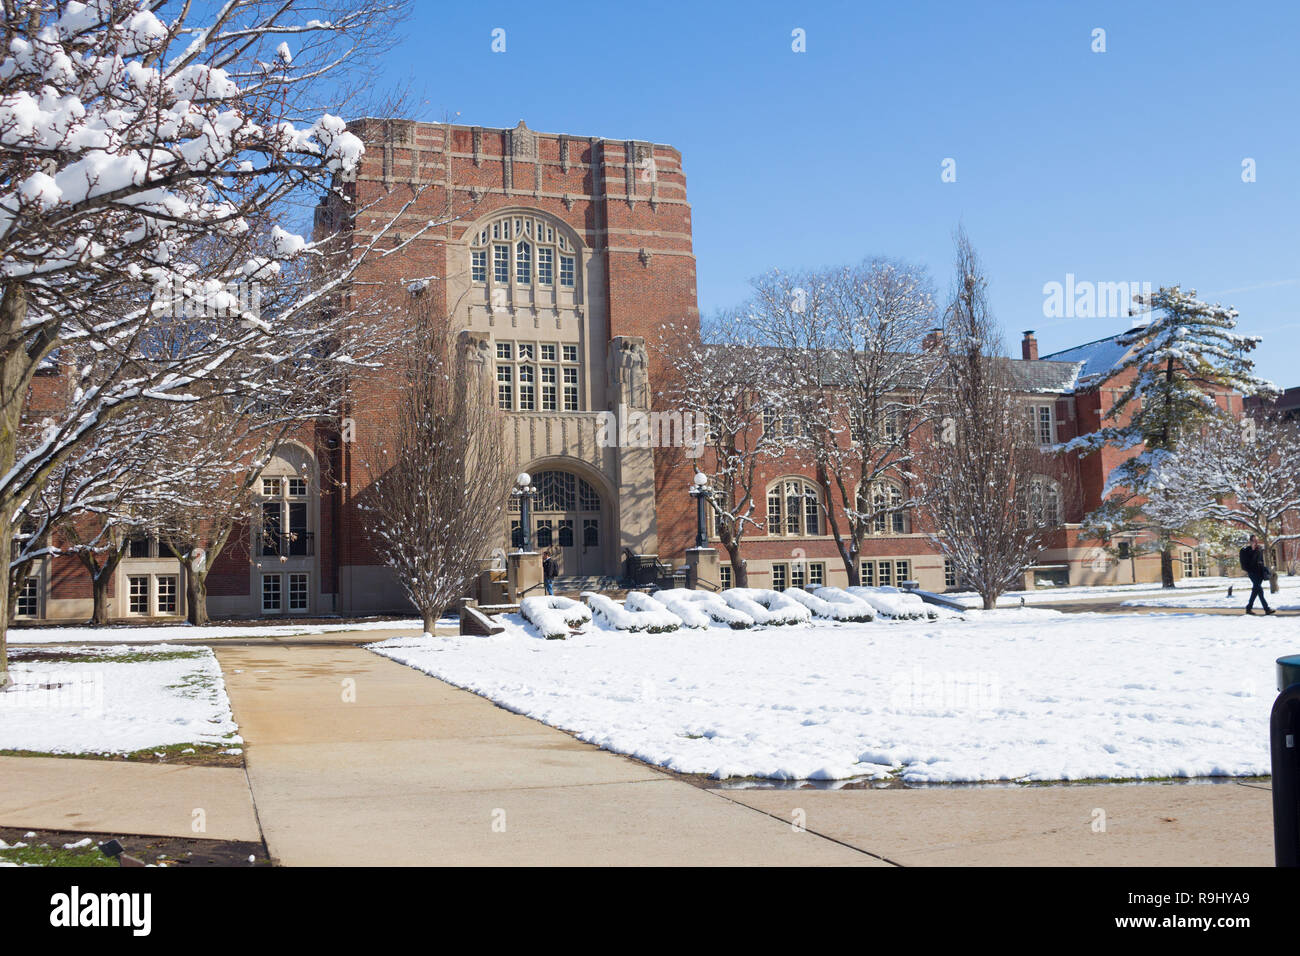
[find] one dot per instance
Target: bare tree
(440, 486)
(1243, 474)
(724, 379)
(860, 379)
(129, 131)
(993, 498)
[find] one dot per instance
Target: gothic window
(793, 508)
(526, 251)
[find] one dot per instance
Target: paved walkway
(415, 772)
(113, 796)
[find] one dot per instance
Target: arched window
(1044, 502)
(793, 508)
(883, 500)
(535, 247)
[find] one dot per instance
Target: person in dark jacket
(550, 570)
(1252, 562)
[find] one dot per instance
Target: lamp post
(525, 491)
(700, 492)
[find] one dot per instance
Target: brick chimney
(1029, 346)
(933, 339)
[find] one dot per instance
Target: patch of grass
(47, 855)
(205, 754)
(23, 656)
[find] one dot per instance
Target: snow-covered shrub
(554, 616)
(850, 610)
(703, 608)
(639, 612)
(891, 602)
(767, 607)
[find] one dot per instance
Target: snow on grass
(1197, 586)
(1282, 601)
(143, 634)
(1024, 694)
(114, 700)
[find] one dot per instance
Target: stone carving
(523, 143)
(629, 371)
(476, 350)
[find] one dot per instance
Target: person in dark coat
(550, 570)
(1252, 562)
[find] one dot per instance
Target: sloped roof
(1097, 359)
(1045, 375)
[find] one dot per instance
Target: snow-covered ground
(1287, 598)
(1187, 588)
(1025, 694)
(116, 700)
(138, 634)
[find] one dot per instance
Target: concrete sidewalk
(113, 796)
(357, 760)
(1176, 824)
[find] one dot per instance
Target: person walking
(550, 570)
(1252, 562)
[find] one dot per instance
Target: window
(530, 385)
(565, 533)
(949, 573)
(779, 577)
(1041, 420)
(271, 585)
(524, 264)
(298, 592)
(1044, 502)
(793, 508)
(545, 533)
(1195, 564)
(816, 574)
(505, 386)
(798, 575)
(527, 389)
(886, 572)
(139, 548)
(590, 532)
(138, 594)
(166, 593)
(524, 252)
(886, 506)
(29, 598)
(297, 487)
(270, 487)
(570, 389)
(724, 575)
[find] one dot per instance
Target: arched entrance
(569, 512)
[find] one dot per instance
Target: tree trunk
(13, 396)
(990, 599)
(1273, 586)
(430, 622)
(739, 574)
(99, 585)
(6, 601)
(196, 596)
(99, 579)
(1167, 568)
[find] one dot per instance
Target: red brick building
(563, 257)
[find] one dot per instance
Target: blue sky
(1122, 166)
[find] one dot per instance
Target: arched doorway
(569, 512)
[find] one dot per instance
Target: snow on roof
(1096, 358)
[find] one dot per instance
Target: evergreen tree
(1180, 361)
